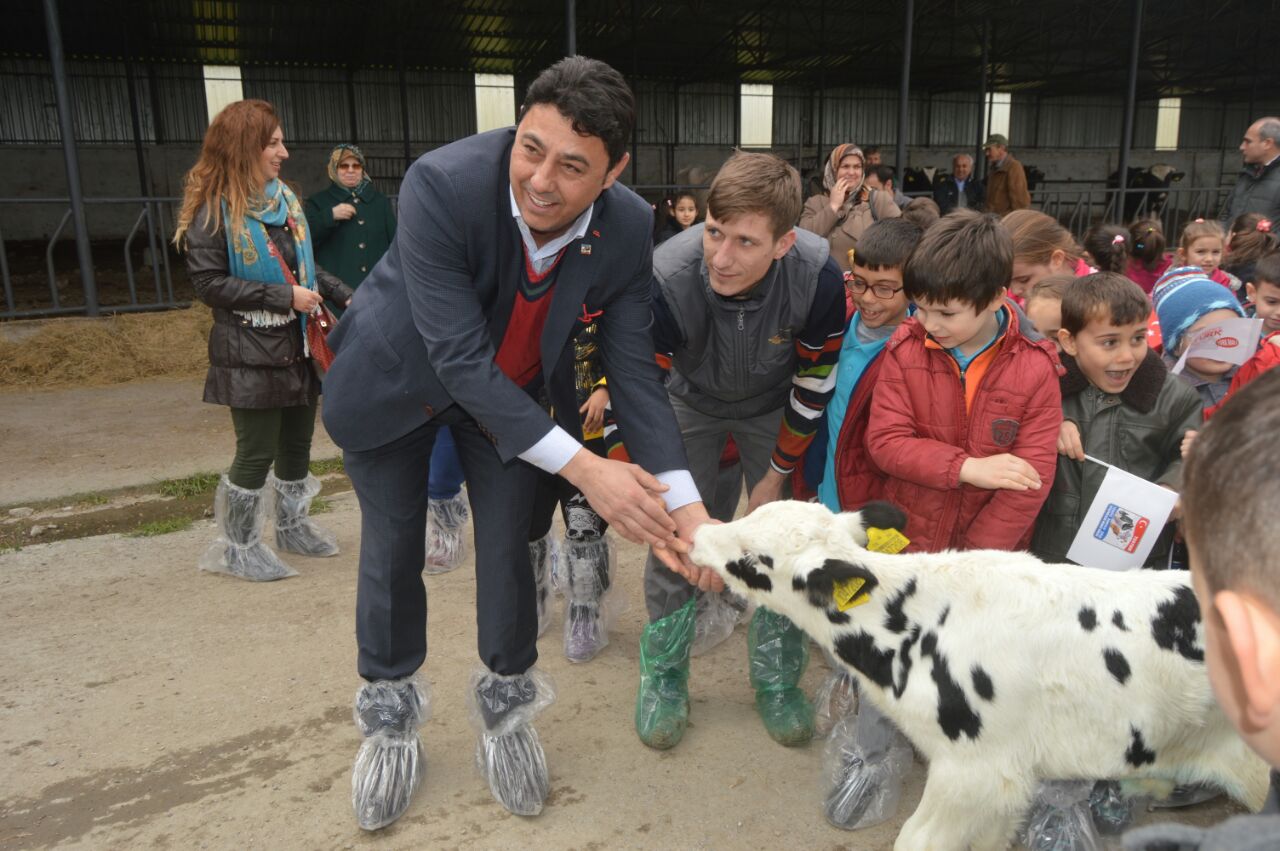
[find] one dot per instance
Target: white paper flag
(1233, 341)
(1123, 522)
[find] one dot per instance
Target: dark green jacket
(349, 249)
(1140, 431)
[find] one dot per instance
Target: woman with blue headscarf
(351, 221)
(250, 258)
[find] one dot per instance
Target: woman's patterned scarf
(254, 257)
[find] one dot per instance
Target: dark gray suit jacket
(424, 326)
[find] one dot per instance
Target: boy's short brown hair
(922, 212)
(757, 183)
(887, 244)
(1268, 270)
(967, 256)
(1104, 296)
(1230, 488)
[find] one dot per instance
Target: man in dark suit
(960, 189)
(507, 240)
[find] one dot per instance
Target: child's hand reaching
(999, 472)
(593, 410)
(1069, 441)
(1187, 440)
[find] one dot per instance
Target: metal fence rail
(150, 233)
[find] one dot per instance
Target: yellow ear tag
(848, 593)
(886, 540)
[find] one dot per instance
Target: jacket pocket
(375, 341)
(268, 347)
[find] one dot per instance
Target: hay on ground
(94, 352)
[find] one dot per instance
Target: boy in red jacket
(966, 410)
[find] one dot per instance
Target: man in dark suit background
(960, 189)
(506, 241)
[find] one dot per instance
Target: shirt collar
(576, 231)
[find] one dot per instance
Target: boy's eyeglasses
(857, 287)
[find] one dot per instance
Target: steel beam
(1130, 102)
(904, 93)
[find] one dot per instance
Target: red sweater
(922, 430)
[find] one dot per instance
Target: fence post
(67, 130)
(1130, 100)
(904, 95)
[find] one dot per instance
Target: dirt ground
(149, 705)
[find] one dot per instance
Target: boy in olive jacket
(1120, 405)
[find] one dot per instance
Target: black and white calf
(1002, 670)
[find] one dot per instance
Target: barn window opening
(756, 130)
(495, 101)
(1168, 117)
(222, 86)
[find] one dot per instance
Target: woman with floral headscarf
(351, 221)
(250, 257)
(849, 206)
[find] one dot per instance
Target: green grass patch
(323, 466)
(161, 527)
(320, 505)
(92, 499)
(194, 485)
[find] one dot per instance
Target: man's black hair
(593, 96)
(884, 173)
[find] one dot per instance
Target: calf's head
(797, 558)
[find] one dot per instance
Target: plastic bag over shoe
(240, 515)
(296, 532)
(509, 754)
(446, 541)
(390, 762)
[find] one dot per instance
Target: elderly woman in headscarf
(849, 206)
(351, 222)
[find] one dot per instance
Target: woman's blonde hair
(229, 166)
(1037, 235)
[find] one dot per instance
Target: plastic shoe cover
(509, 754)
(1112, 811)
(1059, 818)
(836, 699)
(719, 612)
(240, 515)
(590, 607)
(865, 763)
(1187, 796)
(778, 653)
(446, 543)
(543, 555)
(295, 531)
(662, 702)
(390, 762)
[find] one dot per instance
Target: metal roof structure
(1054, 47)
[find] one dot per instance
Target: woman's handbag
(319, 324)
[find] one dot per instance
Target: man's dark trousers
(391, 603)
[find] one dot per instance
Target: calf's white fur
(1002, 670)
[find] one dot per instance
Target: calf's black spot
(821, 582)
(859, 651)
(1174, 626)
(838, 618)
(798, 583)
(1138, 755)
(1088, 618)
(895, 619)
(982, 683)
(884, 515)
(904, 661)
(745, 569)
(766, 561)
(1116, 664)
(942, 618)
(1118, 620)
(955, 715)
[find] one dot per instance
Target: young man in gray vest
(749, 312)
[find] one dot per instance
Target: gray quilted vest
(737, 356)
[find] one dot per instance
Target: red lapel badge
(589, 316)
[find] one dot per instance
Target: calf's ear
(884, 515)
(820, 584)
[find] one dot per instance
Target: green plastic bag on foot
(662, 702)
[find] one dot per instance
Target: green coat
(1140, 431)
(349, 249)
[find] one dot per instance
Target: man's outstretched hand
(676, 555)
(624, 495)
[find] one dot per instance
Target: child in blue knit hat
(1186, 302)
